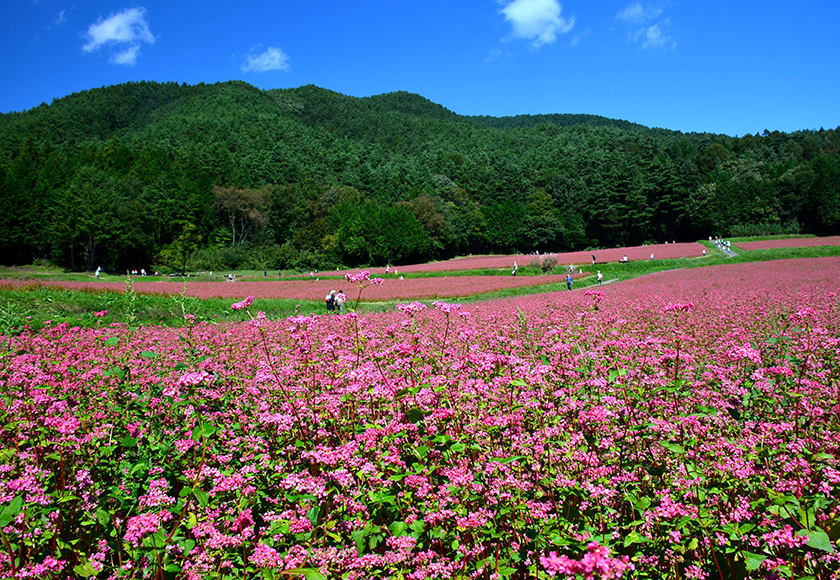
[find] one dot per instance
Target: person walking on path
(600, 277)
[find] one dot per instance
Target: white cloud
(125, 31)
(126, 57)
(636, 13)
(61, 18)
(582, 35)
(271, 59)
(648, 28)
(537, 20)
(653, 37)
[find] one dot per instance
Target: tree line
(169, 175)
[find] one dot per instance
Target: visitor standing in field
(329, 299)
(569, 281)
(600, 277)
(340, 300)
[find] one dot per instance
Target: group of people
(335, 302)
(132, 272)
(722, 245)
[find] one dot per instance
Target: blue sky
(721, 66)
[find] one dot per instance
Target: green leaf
(312, 515)
(417, 528)
(753, 561)
(181, 366)
(103, 517)
(202, 497)
(85, 570)
(674, 448)
(415, 415)
(818, 540)
(398, 528)
(10, 511)
(148, 354)
(458, 447)
(508, 459)
(307, 573)
(359, 539)
(635, 537)
(113, 341)
(128, 441)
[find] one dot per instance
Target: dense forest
(171, 176)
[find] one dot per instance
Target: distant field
(790, 243)
(634, 253)
(392, 289)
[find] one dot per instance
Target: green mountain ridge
(306, 177)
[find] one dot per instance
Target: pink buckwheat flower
(596, 295)
(363, 279)
(192, 379)
(745, 352)
(244, 304)
(679, 307)
(447, 308)
(784, 538)
(412, 309)
(595, 564)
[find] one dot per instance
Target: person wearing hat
(330, 300)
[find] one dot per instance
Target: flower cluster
(412, 309)
(679, 307)
(244, 305)
(363, 279)
(596, 564)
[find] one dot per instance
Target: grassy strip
(34, 305)
(763, 238)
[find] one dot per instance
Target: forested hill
(228, 175)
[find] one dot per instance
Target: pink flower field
(791, 243)
(392, 289)
(634, 253)
(681, 425)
